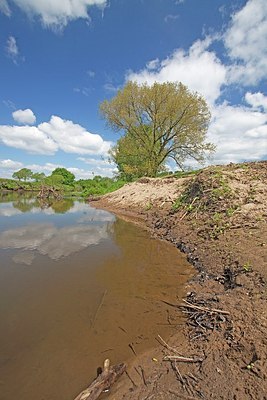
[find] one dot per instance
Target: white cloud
(256, 100)
(4, 8)
(57, 13)
(49, 137)
(28, 138)
(12, 49)
(95, 161)
(24, 116)
(10, 164)
(240, 133)
(73, 138)
(245, 41)
(199, 69)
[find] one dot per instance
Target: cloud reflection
(47, 239)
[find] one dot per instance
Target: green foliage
(247, 267)
(180, 202)
(160, 122)
(135, 160)
(68, 177)
(24, 173)
(38, 176)
(99, 185)
(54, 180)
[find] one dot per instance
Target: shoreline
(230, 276)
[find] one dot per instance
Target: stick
(98, 308)
(182, 359)
(194, 307)
(143, 375)
(132, 348)
(102, 382)
(167, 346)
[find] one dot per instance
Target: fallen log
(103, 382)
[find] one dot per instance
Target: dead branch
(103, 382)
(205, 309)
(183, 359)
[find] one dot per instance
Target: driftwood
(103, 382)
(47, 191)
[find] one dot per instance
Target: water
(77, 285)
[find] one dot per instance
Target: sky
(59, 59)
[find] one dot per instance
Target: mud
(218, 218)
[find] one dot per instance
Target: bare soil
(218, 218)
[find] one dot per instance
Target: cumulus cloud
(49, 137)
(256, 100)
(240, 133)
(73, 138)
(198, 68)
(57, 13)
(24, 116)
(28, 138)
(245, 41)
(10, 164)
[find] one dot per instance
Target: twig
(99, 307)
(178, 372)
(167, 346)
(132, 348)
(206, 309)
(182, 359)
(143, 375)
(132, 381)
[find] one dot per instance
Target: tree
(68, 176)
(23, 173)
(166, 121)
(132, 158)
(54, 180)
(38, 176)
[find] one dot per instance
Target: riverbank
(218, 218)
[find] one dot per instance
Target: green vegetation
(98, 185)
(23, 173)
(161, 122)
(61, 180)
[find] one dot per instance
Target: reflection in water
(54, 242)
(76, 288)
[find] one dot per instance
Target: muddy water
(77, 285)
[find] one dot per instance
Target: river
(77, 285)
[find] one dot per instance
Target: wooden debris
(183, 359)
(103, 382)
(205, 309)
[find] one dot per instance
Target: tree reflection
(62, 206)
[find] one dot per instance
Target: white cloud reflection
(57, 242)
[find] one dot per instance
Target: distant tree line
(64, 180)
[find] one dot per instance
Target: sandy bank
(218, 218)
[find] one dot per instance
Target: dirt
(218, 218)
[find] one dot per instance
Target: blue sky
(59, 61)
